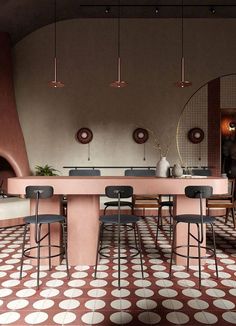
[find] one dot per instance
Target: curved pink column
(12, 144)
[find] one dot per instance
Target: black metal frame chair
(225, 201)
(38, 220)
(118, 220)
(84, 172)
(170, 205)
(198, 192)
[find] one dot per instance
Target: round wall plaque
(196, 135)
(140, 135)
(84, 135)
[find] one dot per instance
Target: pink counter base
(83, 205)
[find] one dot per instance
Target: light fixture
(55, 83)
(212, 10)
(118, 83)
(182, 83)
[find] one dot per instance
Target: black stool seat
(44, 219)
(115, 203)
(168, 203)
(194, 218)
(124, 219)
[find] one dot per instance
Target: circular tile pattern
(230, 317)
(92, 318)
(17, 304)
(35, 318)
(9, 317)
(69, 304)
(146, 304)
(121, 304)
(177, 317)
(64, 318)
(121, 318)
(95, 304)
(149, 318)
(172, 304)
(43, 304)
(205, 317)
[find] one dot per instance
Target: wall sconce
(232, 125)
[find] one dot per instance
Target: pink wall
(12, 144)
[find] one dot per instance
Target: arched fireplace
(13, 155)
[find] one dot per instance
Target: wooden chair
(224, 201)
(143, 201)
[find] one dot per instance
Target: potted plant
(45, 170)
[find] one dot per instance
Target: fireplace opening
(6, 171)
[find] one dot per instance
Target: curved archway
(204, 110)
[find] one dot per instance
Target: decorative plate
(140, 135)
(84, 135)
(196, 135)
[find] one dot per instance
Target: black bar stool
(198, 192)
(119, 220)
(38, 193)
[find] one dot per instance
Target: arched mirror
(206, 133)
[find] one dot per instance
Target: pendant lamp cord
(182, 28)
(55, 28)
(118, 30)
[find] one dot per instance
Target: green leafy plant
(45, 170)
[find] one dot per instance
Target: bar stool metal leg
(98, 246)
(172, 247)
(23, 248)
(199, 257)
(49, 248)
(188, 248)
(214, 249)
(63, 226)
(140, 250)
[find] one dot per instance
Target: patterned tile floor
(156, 300)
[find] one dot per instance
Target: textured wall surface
(150, 51)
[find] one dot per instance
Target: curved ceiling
(21, 17)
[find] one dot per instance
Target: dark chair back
(202, 172)
(39, 192)
(119, 191)
(198, 191)
(140, 173)
(84, 172)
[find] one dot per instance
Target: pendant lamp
(183, 82)
(118, 83)
(55, 83)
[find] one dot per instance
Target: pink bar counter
(83, 204)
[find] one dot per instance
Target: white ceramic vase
(177, 171)
(163, 168)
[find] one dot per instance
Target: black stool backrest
(198, 191)
(140, 173)
(40, 192)
(86, 173)
(119, 191)
(202, 172)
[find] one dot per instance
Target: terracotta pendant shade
(118, 83)
(183, 83)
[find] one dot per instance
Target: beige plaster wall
(150, 51)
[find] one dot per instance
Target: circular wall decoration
(84, 135)
(140, 135)
(196, 135)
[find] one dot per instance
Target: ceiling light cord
(55, 83)
(118, 83)
(182, 83)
